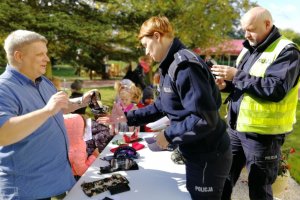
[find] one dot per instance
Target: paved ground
(90, 83)
(292, 191)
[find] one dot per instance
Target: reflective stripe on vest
(240, 57)
(265, 117)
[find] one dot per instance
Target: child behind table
(127, 96)
(79, 159)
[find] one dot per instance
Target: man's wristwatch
(77, 100)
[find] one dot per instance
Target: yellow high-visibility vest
(265, 117)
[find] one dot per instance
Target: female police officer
(190, 99)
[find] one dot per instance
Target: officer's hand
(117, 110)
(57, 102)
(105, 120)
(161, 140)
(220, 83)
(111, 119)
(117, 113)
(224, 72)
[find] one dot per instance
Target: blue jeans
(260, 154)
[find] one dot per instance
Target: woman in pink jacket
(77, 150)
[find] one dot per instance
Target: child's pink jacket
(77, 150)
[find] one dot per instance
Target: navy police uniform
(260, 153)
(191, 100)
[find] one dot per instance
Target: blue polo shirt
(37, 166)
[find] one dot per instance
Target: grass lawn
(293, 141)
(63, 72)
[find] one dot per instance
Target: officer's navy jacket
(191, 101)
(280, 76)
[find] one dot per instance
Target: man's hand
(57, 102)
(220, 83)
(161, 140)
(79, 102)
(224, 72)
(86, 98)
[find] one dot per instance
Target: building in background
(225, 53)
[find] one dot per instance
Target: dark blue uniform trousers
(205, 177)
(260, 154)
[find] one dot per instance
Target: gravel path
(90, 83)
(240, 192)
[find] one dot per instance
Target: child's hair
(130, 87)
(147, 94)
(125, 92)
(137, 95)
(77, 85)
(123, 84)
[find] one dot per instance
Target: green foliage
(83, 32)
(284, 165)
(294, 162)
(292, 35)
(204, 23)
(292, 141)
(2, 69)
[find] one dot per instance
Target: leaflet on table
(88, 130)
(159, 124)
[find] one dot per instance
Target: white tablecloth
(158, 178)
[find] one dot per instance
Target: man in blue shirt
(33, 142)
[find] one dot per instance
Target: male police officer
(262, 102)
